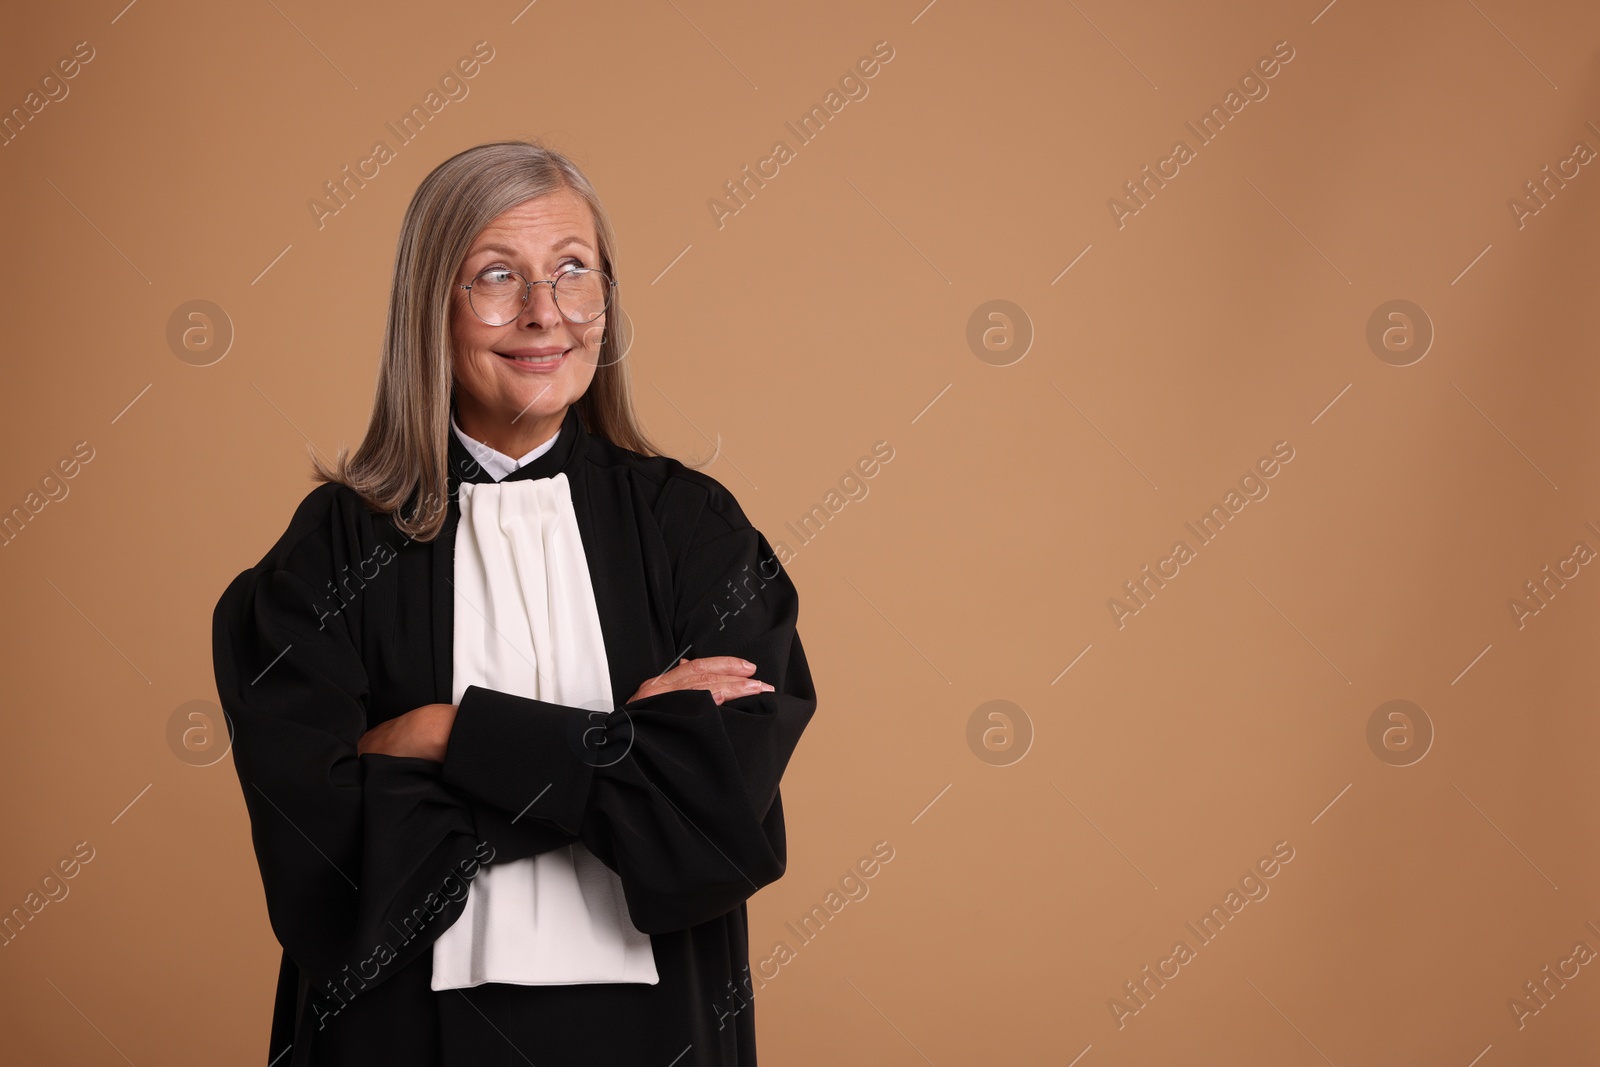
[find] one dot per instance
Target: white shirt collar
(497, 463)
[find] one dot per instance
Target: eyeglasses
(497, 295)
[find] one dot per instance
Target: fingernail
(747, 663)
(765, 688)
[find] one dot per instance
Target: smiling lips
(535, 359)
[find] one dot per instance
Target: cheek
(466, 343)
(591, 334)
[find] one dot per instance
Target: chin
(532, 403)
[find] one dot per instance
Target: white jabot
(498, 464)
(526, 623)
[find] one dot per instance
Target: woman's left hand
(421, 732)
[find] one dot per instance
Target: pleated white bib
(526, 623)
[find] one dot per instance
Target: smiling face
(515, 405)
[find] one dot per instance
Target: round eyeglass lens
(497, 296)
(582, 295)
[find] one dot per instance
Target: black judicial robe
(346, 623)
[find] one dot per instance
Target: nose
(540, 310)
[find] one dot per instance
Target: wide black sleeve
(364, 859)
(677, 794)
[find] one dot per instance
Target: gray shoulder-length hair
(400, 468)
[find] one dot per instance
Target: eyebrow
(506, 251)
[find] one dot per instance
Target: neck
(514, 438)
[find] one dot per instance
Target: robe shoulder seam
(671, 477)
(329, 509)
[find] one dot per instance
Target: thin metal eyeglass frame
(527, 289)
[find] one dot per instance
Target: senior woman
(512, 695)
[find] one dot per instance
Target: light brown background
(831, 313)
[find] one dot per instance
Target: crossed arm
(424, 732)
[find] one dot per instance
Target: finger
(725, 665)
(731, 687)
(721, 686)
(732, 681)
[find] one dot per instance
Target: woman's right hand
(726, 676)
